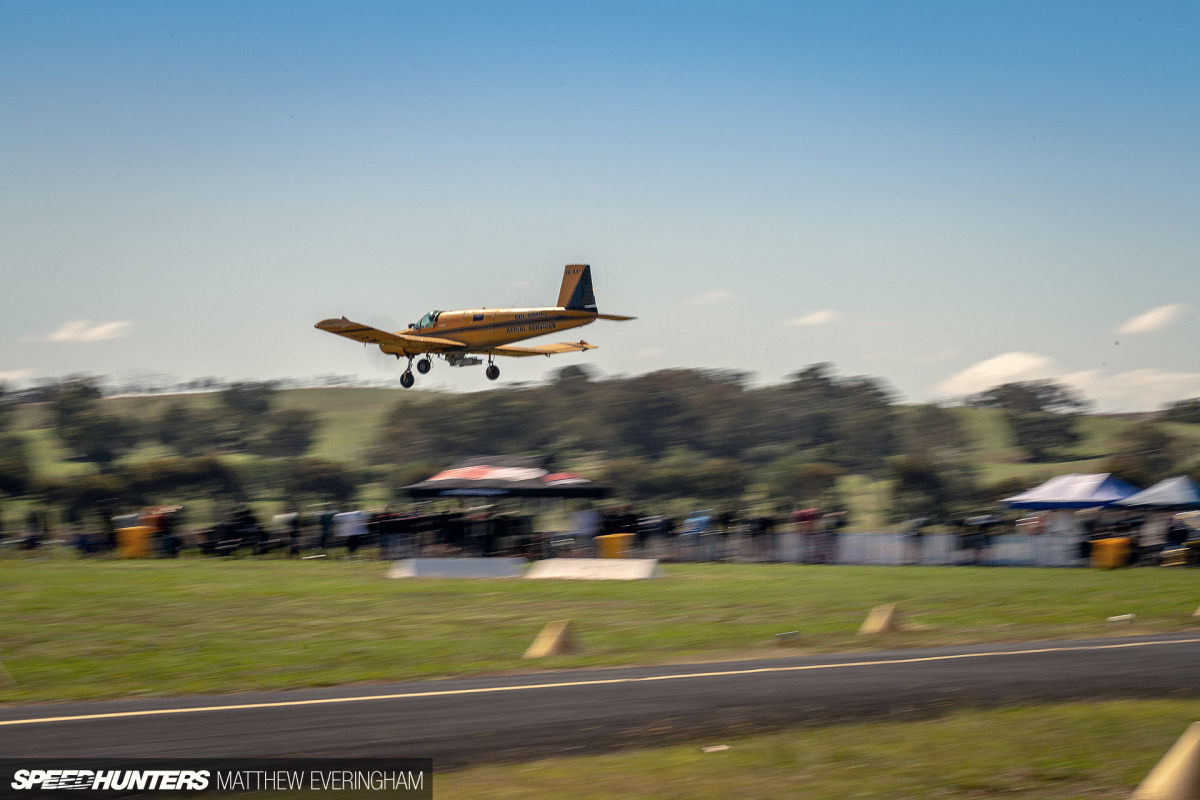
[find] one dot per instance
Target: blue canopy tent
(1172, 494)
(1074, 491)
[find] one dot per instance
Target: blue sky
(944, 195)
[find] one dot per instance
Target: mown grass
(1092, 750)
(76, 629)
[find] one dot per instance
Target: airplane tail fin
(576, 293)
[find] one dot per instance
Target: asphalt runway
(470, 720)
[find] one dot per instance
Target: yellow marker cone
(555, 639)
(1196, 613)
(882, 619)
(1177, 776)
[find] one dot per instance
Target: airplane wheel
(407, 380)
(424, 365)
(493, 372)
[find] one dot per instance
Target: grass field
(1055, 752)
(75, 629)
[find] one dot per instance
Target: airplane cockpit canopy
(427, 320)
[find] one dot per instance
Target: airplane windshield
(428, 320)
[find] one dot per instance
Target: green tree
(84, 426)
(1031, 397)
(1146, 453)
(8, 407)
(573, 379)
(807, 484)
(16, 474)
(933, 433)
(71, 399)
(653, 413)
(1183, 411)
(167, 479)
(1042, 415)
(85, 494)
(806, 408)
(320, 479)
(287, 434)
(100, 437)
(246, 405)
(865, 425)
(193, 431)
(680, 473)
(918, 489)
(847, 421)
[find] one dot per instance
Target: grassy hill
(351, 418)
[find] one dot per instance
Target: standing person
(294, 533)
(694, 535)
(725, 520)
(386, 524)
(913, 539)
(804, 520)
(831, 523)
(839, 522)
(109, 528)
(966, 541)
(351, 528)
(762, 536)
(585, 526)
(35, 530)
(325, 521)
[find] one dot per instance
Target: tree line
(700, 434)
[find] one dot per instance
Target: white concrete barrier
(595, 569)
(458, 568)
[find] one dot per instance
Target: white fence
(1009, 550)
(883, 549)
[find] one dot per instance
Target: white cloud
(1153, 320)
(898, 356)
(711, 298)
(815, 318)
(16, 375)
(84, 330)
(1004, 368)
(1134, 390)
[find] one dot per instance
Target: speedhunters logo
(112, 780)
(404, 779)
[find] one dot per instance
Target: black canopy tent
(504, 476)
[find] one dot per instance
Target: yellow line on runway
(597, 682)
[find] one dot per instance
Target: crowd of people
(162, 531)
(803, 535)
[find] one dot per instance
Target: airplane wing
(389, 342)
(542, 349)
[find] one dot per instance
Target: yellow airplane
(456, 335)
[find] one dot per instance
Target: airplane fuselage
(483, 328)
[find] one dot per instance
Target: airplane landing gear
(424, 365)
(492, 372)
(407, 379)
